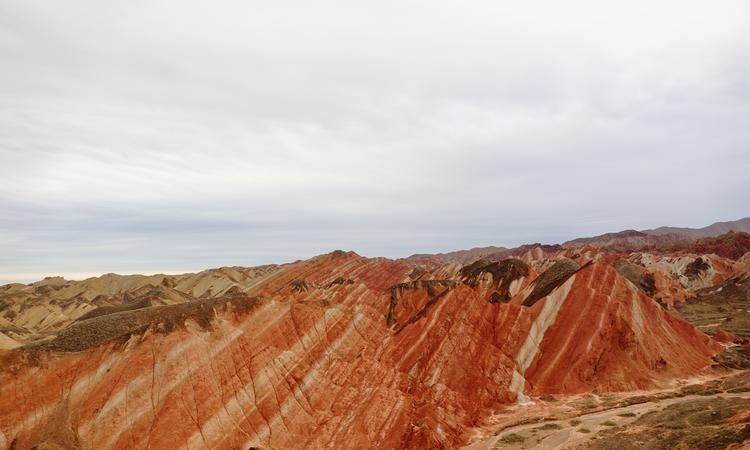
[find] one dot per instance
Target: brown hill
(630, 239)
(714, 229)
(662, 236)
(460, 256)
(732, 245)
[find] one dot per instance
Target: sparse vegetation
(723, 308)
(638, 399)
(711, 388)
(587, 403)
(691, 424)
(511, 438)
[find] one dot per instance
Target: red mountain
(339, 351)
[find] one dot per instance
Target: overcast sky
(155, 136)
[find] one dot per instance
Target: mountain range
(579, 345)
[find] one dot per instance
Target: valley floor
(703, 413)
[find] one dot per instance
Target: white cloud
(171, 136)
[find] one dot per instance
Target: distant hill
(631, 238)
(626, 239)
(732, 245)
(460, 256)
(712, 230)
(660, 236)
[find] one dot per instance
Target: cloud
(162, 136)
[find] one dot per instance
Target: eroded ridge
(342, 351)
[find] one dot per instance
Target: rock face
(340, 352)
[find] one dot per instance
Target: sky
(157, 136)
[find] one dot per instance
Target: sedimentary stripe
(530, 347)
(211, 429)
(269, 316)
(584, 297)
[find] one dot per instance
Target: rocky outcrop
(410, 301)
(504, 278)
(689, 272)
(644, 280)
(550, 279)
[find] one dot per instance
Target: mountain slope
(342, 351)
